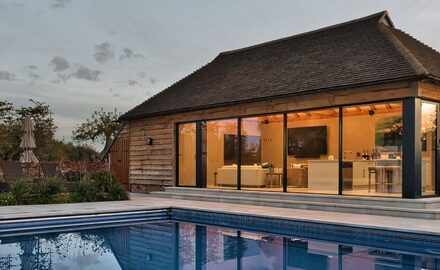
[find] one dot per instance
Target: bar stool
(371, 170)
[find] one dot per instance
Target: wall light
(149, 141)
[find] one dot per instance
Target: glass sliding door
(221, 153)
(372, 149)
(429, 147)
(313, 150)
(187, 154)
(262, 153)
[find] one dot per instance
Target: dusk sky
(81, 55)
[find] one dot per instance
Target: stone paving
(146, 202)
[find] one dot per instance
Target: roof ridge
(404, 51)
(382, 14)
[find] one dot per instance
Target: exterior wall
(153, 166)
(429, 91)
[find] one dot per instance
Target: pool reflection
(169, 245)
(203, 247)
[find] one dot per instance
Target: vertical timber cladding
(152, 167)
(119, 157)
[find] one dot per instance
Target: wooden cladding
(119, 160)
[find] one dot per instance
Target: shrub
(98, 186)
(74, 176)
(117, 193)
(21, 190)
(5, 187)
(45, 189)
(6, 199)
(86, 191)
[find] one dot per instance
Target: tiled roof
(360, 52)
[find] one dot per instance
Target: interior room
(371, 151)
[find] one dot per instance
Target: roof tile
(364, 51)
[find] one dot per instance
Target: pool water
(172, 245)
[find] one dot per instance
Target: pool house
(351, 109)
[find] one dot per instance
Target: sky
(79, 56)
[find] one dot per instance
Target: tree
(11, 120)
(48, 148)
(101, 127)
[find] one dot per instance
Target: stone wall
(34, 171)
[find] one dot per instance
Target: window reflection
(429, 146)
(221, 248)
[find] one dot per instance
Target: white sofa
(251, 176)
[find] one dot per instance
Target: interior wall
(359, 133)
(272, 143)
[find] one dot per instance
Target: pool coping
(359, 220)
(324, 231)
(170, 209)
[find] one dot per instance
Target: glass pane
(429, 131)
(372, 149)
(187, 154)
(221, 151)
(312, 161)
(262, 153)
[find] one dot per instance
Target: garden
(83, 187)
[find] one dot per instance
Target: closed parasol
(28, 142)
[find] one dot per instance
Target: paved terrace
(147, 202)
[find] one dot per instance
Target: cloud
(59, 64)
(59, 3)
(6, 76)
(103, 52)
(129, 83)
(142, 75)
(128, 53)
(62, 77)
(32, 75)
(32, 67)
(85, 73)
(152, 80)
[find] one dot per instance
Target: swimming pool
(186, 239)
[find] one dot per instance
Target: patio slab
(147, 202)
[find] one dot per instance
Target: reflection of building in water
(172, 246)
(146, 246)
